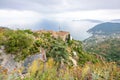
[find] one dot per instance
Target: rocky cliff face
(7, 61)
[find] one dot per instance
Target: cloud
(90, 20)
(46, 24)
(53, 6)
(13, 17)
(115, 21)
(103, 15)
(34, 5)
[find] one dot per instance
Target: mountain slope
(110, 49)
(105, 28)
(105, 41)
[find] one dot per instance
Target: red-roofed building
(62, 34)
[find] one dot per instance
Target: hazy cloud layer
(90, 20)
(50, 6)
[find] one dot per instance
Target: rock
(7, 61)
(9, 64)
(29, 60)
(74, 61)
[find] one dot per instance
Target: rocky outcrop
(7, 61)
(29, 60)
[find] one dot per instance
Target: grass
(98, 71)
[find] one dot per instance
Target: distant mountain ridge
(102, 32)
(116, 20)
(90, 20)
(105, 28)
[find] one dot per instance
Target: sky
(75, 16)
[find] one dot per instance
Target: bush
(18, 43)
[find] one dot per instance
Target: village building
(64, 35)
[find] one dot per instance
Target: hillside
(23, 50)
(105, 28)
(105, 41)
(109, 49)
(3, 28)
(48, 55)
